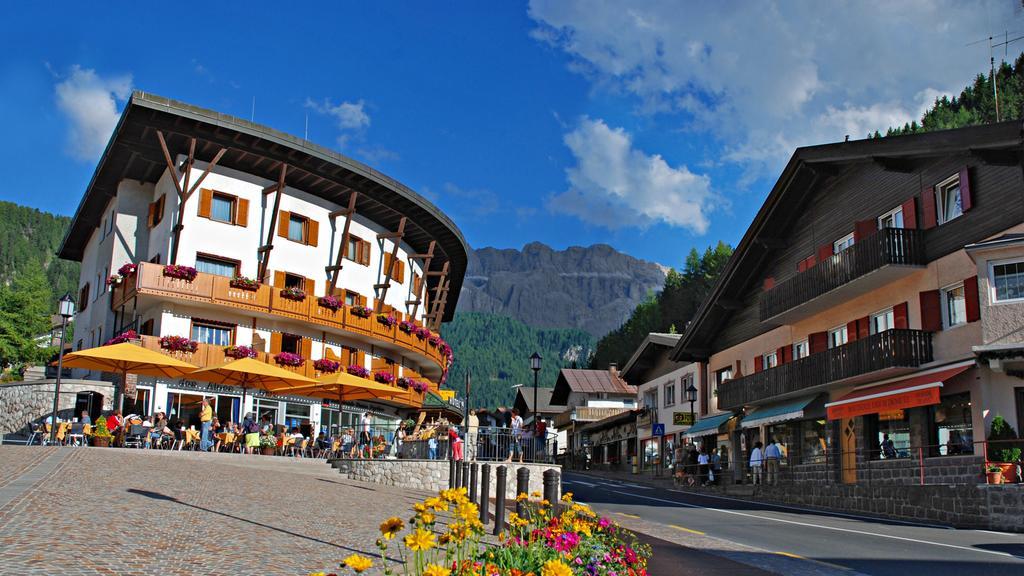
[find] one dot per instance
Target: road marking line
(791, 555)
(677, 527)
(587, 484)
(806, 559)
(627, 515)
(837, 529)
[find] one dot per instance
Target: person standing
(888, 447)
(472, 435)
(365, 442)
(205, 422)
(703, 463)
(756, 462)
(772, 457)
(432, 448)
(456, 444)
(516, 447)
(251, 428)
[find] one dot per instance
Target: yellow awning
(251, 373)
(445, 394)
(339, 383)
(128, 358)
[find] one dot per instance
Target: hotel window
(156, 211)
(948, 203)
(801, 350)
(291, 343)
(218, 266)
(842, 244)
(721, 376)
(210, 333)
(882, 321)
(297, 228)
(670, 394)
(83, 298)
(892, 219)
(358, 251)
(352, 298)
(771, 360)
(837, 337)
(895, 423)
(954, 306)
(953, 431)
(222, 208)
(651, 398)
(294, 281)
(1008, 281)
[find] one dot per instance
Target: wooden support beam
(264, 255)
(397, 236)
(271, 189)
(350, 212)
(339, 213)
(330, 269)
(175, 175)
(425, 266)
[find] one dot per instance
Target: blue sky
(654, 127)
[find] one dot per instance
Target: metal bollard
(522, 487)
(551, 485)
(472, 481)
(499, 505)
(451, 473)
(465, 475)
(458, 475)
(485, 493)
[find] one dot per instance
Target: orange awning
(920, 390)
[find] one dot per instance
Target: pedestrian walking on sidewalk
(704, 463)
(772, 456)
(756, 461)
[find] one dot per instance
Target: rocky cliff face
(593, 288)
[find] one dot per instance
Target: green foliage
(24, 315)
(1001, 436)
(495, 350)
(99, 430)
(674, 306)
(975, 105)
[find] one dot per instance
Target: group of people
(501, 434)
(765, 462)
(705, 465)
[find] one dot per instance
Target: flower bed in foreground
(567, 539)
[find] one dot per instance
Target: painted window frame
(940, 190)
(669, 393)
(843, 243)
(891, 213)
(769, 360)
(231, 328)
(805, 345)
(944, 296)
(885, 312)
(834, 330)
(298, 218)
(993, 294)
(233, 207)
(223, 259)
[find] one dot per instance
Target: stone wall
(24, 402)
(432, 475)
(963, 506)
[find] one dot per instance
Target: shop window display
(815, 441)
(952, 433)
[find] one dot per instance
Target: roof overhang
(134, 152)
(644, 357)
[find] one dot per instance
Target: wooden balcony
(885, 256)
(207, 355)
(212, 289)
(876, 356)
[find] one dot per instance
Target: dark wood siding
(865, 191)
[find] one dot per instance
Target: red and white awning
(911, 392)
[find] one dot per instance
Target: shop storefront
(795, 426)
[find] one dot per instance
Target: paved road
(869, 546)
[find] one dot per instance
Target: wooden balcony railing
(209, 288)
(889, 349)
(888, 246)
(207, 355)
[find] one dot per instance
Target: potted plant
(404, 382)
(296, 294)
(387, 320)
(1003, 450)
(419, 387)
(268, 445)
(126, 336)
(186, 273)
(384, 377)
(100, 434)
(326, 366)
(422, 332)
(993, 474)
(434, 340)
(239, 352)
(357, 370)
(361, 311)
(289, 359)
(113, 280)
(243, 283)
(407, 326)
(126, 270)
(178, 344)
(329, 302)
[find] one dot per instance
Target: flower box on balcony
(126, 336)
(243, 283)
(384, 377)
(387, 320)
(326, 366)
(404, 382)
(406, 327)
(239, 352)
(329, 302)
(179, 344)
(178, 272)
(360, 311)
(289, 359)
(357, 370)
(356, 320)
(295, 294)
(126, 270)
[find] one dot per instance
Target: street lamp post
(67, 310)
(535, 366)
(691, 396)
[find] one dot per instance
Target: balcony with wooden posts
(877, 356)
(149, 280)
(207, 355)
(875, 260)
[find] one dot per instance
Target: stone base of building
(432, 475)
(32, 401)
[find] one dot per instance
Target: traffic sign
(658, 429)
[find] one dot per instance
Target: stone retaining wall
(24, 402)
(432, 475)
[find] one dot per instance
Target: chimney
(613, 367)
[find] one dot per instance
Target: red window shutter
(910, 214)
(965, 190)
(817, 342)
(863, 327)
(972, 304)
(811, 261)
(851, 330)
(786, 354)
(769, 283)
(928, 214)
(758, 363)
(780, 355)
(824, 252)
(931, 311)
(864, 228)
(801, 265)
(900, 316)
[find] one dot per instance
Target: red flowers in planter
(295, 294)
(186, 273)
(384, 377)
(243, 283)
(326, 366)
(357, 370)
(419, 386)
(403, 382)
(387, 320)
(239, 352)
(434, 340)
(125, 336)
(407, 326)
(289, 359)
(126, 270)
(178, 344)
(361, 311)
(422, 332)
(329, 302)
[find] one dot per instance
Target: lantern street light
(691, 396)
(535, 366)
(67, 311)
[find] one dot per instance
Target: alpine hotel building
(270, 223)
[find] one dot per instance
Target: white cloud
(474, 201)
(90, 102)
(615, 185)
(347, 115)
(765, 77)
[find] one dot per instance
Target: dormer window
(948, 202)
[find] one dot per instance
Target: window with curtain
(211, 334)
(954, 306)
(882, 321)
(1008, 280)
(296, 228)
(947, 200)
(222, 208)
(218, 266)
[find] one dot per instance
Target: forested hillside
(668, 311)
(496, 350)
(29, 239)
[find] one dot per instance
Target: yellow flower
(458, 532)
(535, 494)
(391, 526)
(454, 495)
(522, 496)
(317, 574)
(545, 503)
(467, 511)
(419, 540)
(419, 508)
(437, 504)
(567, 497)
(427, 518)
(358, 563)
(555, 568)
(435, 570)
(517, 520)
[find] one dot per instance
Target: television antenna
(992, 45)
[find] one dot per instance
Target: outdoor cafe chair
(135, 438)
(76, 436)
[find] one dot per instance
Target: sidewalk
(665, 482)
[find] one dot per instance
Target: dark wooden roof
(589, 382)
(808, 168)
(134, 152)
(646, 356)
(524, 401)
